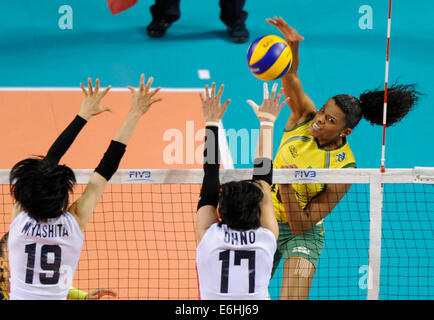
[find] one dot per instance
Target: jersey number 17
(239, 255)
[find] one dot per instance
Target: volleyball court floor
(42, 66)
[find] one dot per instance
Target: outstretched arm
(142, 100)
(213, 111)
(263, 166)
(302, 107)
(90, 106)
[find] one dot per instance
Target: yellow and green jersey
(298, 147)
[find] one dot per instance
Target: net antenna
(377, 191)
(386, 80)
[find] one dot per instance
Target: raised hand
(212, 109)
(289, 33)
(91, 104)
(142, 99)
(270, 108)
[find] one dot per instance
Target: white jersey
(43, 257)
(233, 264)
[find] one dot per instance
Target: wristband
(266, 115)
(212, 124)
(111, 159)
(267, 123)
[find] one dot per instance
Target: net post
(375, 233)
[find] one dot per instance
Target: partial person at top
(165, 12)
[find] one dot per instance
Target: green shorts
(308, 245)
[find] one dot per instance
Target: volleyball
(269, 57)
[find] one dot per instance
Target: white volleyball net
(378, 241)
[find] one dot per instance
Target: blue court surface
(339, 55)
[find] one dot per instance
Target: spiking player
(317, 139)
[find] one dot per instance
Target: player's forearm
(209, 193)
(295, 61)
(301, 220)
(65, 139)
(125, 132)
(264, 148)
(263, 165)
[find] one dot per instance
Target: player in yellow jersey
(317, 139)
(74, 293)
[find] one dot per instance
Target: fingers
(83, 89)
(266, 94)
(225, 105)
(271, 21)
(106, 90)
(211, 95)
(279, 95)
(89, 84)
(148, 84)
(131, 89)
(96, 85)
(142, 82)
(154, 92)
(155, 100)
(273, 90)
(213, 90)
(98, 293)
(253, 105)
(206, 92)
(285, 101)
(220, 92)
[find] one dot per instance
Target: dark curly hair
(41, 187)
(239, 204)
(400, 100)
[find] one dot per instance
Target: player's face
(328, 124)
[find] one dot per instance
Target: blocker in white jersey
(236, 230)
(43, 256)
(234, 264)
(46, 233)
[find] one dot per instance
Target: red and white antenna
(386, 80)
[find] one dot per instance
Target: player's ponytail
(400, 100)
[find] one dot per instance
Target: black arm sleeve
(263, 170)
(209, 194)
(111, 159)
(65, 140)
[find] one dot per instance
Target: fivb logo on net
(139, 175)
(305, 174)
